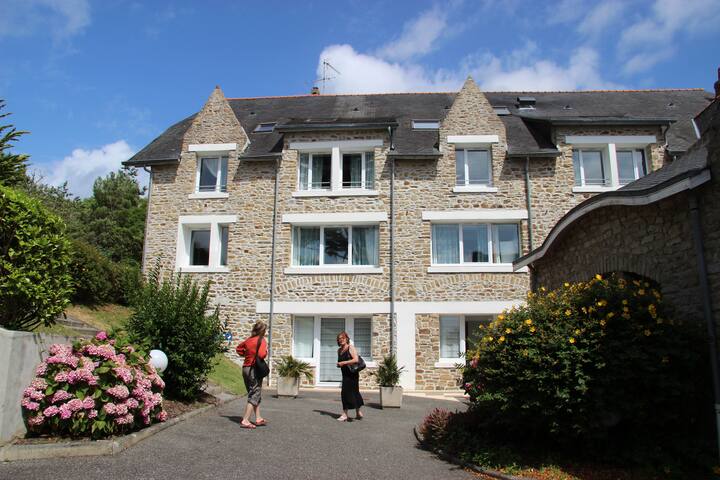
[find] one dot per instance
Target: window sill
(314, 363)
(200, 195)
(450, 363)
(594, 189)
(497, 268)
(332, 270)
(197, 269)
(474, 189)
(359, 192)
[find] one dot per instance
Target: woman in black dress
(350, 394)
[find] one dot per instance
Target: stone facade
(420, 185)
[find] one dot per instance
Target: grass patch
(102, 317)
(58, 329)
(228, 375)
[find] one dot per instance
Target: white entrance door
(329, 330)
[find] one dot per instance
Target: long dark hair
(258, 329)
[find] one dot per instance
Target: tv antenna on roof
(325, 78)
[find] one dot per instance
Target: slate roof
(528, 130)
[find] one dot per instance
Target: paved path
(302, 441)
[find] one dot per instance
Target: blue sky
(95, 81)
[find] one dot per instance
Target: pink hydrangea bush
(93, 388)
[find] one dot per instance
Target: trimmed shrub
(584, 363)
(93, 388)
(35, 282)
(171, 315)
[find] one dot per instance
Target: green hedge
(35, 282)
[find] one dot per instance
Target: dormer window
(212, 174)
(265, 127)
(315, 171)
(526, 103)
(425, 124)
(358, 170)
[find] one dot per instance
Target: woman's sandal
(341, 419)
(261, 423)
(249, 425)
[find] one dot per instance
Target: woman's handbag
(262, 369)
(357, 367)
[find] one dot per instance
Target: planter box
(288, 386)
(391, 397)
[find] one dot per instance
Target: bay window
(468, 243)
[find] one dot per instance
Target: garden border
(461, 463)
(113, 446)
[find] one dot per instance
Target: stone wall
(427, 353)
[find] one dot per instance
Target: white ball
(159, 360)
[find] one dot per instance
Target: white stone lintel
(212, 147)
(345, 218)
(482, 214)
(637, 140)
(473, 139)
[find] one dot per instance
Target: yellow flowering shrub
(584, 361)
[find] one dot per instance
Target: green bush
(35, 282)
(586, 363)
(93, 275)
(127, 278)
(171, 315)
(388, 373)
(294, 368)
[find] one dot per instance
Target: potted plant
(387, 376)
(289, 372)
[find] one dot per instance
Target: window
(265, 127)
(315, 171)
(203, 243)
(362, 337)
(304, 337)
(358, 170)
(212, 174)
(473, 167)
(200, 247)
(460, 334)
(631, 165)
(458, 244)
(590, 168)
(426, 124)
(335, 245)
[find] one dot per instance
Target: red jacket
(248, 348)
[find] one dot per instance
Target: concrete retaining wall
(20, 353)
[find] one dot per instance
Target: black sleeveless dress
(350, 394)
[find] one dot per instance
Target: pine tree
(12, 166)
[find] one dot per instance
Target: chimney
(316, 90)
(717, 85)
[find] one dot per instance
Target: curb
(84, 448)
(461, 463)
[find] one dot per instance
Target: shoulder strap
(259, 344)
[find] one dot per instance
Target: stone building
(664, 227)
(396, 217)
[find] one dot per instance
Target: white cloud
(651, 39)
(601, 17)
(521, 69)
(62, 18)
(82, 167)
(418, 36)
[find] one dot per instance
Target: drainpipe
(272, 258)
(147, 217)
(527, 200)
(707, 304)
(393, 343)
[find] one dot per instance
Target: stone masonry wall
(652, 240)
(427, 353)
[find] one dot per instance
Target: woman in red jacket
(250, 349)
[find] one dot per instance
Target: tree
(12, 166)
(35, 281)
(115, 216)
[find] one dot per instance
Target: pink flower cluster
(68, 392)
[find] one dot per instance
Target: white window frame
(474, 142)
(609, 144)
(222, 157)
(425, 124)
(323, 268)
(336, 149)
(639, 163)
(188, 223)
(450, 362)
(604, 164)
(490, 266)
(309, 187)
(466, 168)
(363, 161)
(314, 361)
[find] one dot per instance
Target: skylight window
(426, 124)
(265, 127)
(501, 111)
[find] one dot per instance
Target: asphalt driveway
(302, 441)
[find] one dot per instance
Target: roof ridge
(484, 91)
